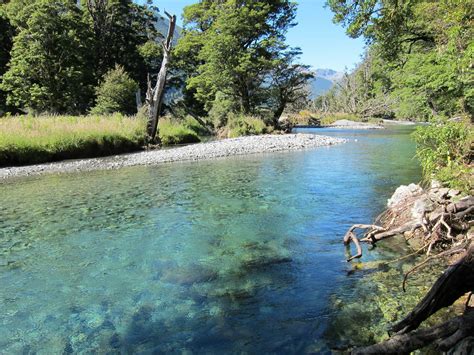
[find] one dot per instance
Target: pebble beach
(201, 151)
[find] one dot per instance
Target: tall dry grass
(36, 139)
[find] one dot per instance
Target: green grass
(246, 126)
(172, 132)
(31, 140)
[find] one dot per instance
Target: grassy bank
(172, 132)
(39, 139)
(30, 140)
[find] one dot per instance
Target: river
(241, 254)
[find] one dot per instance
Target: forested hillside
(419, 63)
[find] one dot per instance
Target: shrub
(244, 126)
(444, 153)
(222, 107)
(116, 93)
(193, 124)
(176, 133)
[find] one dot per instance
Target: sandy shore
(201, 151)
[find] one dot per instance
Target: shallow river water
(241, 254)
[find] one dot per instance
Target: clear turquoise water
(234, 255)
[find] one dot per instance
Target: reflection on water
(239, 254)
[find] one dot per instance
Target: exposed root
(351, 236)
(456, 281)
(443, 336)
(445, 253)
(441, 224)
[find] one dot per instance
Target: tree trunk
(154, 97)
(278, 113)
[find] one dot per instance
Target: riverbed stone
(201, 151)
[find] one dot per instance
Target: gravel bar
(200, 151)
(347, 124)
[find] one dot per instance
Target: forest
(231, 72)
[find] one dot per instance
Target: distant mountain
(323, 81)
(329, 74)
(161, 26)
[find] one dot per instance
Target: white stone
(402, 193)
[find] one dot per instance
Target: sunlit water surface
(235, 255)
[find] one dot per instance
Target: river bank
(200, 151)
(435, 221)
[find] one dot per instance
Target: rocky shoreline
(200, 151)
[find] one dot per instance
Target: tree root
(351, 236)
(446, 226)
(441, 225)
(445, 253)
(456, 281)
(444, 336)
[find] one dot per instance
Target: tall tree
(288, 83)
(237, 44)
(48, 70)
(120, 28)
(6, 42)
(427, 47)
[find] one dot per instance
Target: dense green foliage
(240, 125)
(445, 153)
(60, 57)
(235, 59)
(47, 70)
(176, 133)
(116, 93)
(29, 140)
(419, 64)
(53, 53)
(418, 67)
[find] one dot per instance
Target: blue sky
(324, 44)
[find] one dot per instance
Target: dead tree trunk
(154, 96)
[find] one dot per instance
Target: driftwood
(154, 96)
(439, 225)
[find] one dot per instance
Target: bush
(193, 124)
(222, 107)
(176, 133)
(245, 126)
(444, 153)
(116, 93)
